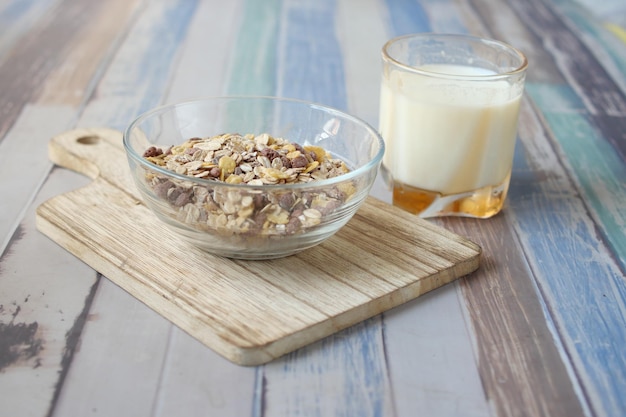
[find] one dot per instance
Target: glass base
(482, 203)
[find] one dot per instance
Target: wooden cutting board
(248, 311)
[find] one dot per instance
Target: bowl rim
(372, 163)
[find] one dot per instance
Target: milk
(448, 135)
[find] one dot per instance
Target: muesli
(255, 160)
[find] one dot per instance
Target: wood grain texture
(513, 340)
(579, 279)
(308, 31)
(197, 64)
(72, 80)
(441, 385)
(516, 360)
(601, 95)
(585, 296)
(40, 314)
(27, 65)
(232, 315)
(56, 97)
(541, 333)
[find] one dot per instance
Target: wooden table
(538, 330)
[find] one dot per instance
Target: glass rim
(373, 161)
(520, 69)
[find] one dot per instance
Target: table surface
(538, 330)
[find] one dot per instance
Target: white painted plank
(116, 370)
(198, 382)
(431, 358)
(45, 290)
(24, 161)
(363, 35)
(204, 61)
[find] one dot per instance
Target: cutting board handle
(94, 152)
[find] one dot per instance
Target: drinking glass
(449, 108)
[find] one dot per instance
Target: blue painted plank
(407, 16)
(597, 169)
(583, 288)
(311, 66)
(139, 75)
(445, 17)
(337, 376)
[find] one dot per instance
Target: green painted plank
(253, 65)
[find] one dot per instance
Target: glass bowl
(254, 220)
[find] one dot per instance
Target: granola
(260, 160)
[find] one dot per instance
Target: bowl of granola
(252, 177)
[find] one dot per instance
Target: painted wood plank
(587, 23)
(316, 380)
(140, 70)
(195, 381)
(310, 67)
(68, 294)
(73, 79)
(601, 95)
(500, 21)
(522, 371)
(26, 66)
(590, 335)
(40, 313)
(580, 281)
(407, 16)
(509, 364)
(113, 105)
(206, 61)
(361, 37)
(446, 17)
(252, 67)
(431, 361)
(18, 17)
(65, 87)
(438, 385)
(530, 225)
(26, 141)
(598, 171)
(132, 378)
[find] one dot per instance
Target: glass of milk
(448, 114)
